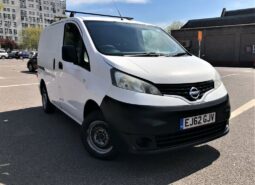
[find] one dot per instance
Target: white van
(130, 86)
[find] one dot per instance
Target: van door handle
(60, 65)
(54, 63)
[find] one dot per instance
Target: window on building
(6, 1)
(24, 25)
(6, 23)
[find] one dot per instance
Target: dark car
(23, 54)
(13, 54)
(32, 64)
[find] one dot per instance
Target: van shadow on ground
(46, 149)
(28, 72)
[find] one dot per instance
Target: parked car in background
(23, 54)
(13, 54)
(3, 54)
(32, 64)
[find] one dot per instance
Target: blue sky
(161, 12)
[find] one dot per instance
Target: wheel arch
(89, 107)
(42, 84)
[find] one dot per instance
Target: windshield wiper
(149, 54)
(180, 54)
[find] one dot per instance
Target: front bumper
(148, 129)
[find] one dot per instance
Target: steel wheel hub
(98, 137)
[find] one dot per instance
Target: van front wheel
(96, 137)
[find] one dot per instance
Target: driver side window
(72, 37)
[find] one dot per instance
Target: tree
(30, 37)
(8, 44)
(1, 6)
(176, 25)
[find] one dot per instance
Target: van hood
(164, 70)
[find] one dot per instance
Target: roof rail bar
(72, 13)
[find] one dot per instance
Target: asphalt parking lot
(36, 148)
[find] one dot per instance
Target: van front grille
(191, 135)
(183, 90)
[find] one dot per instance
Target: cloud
(108, 1)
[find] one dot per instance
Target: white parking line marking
(230, 75)
(3, 165)
(1, 78)
(19, 85)
(242, 109)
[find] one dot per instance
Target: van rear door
(49, 53)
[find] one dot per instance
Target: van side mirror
(69, 54)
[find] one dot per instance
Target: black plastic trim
(42, 68)
(130, 122)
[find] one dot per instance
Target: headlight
(217, 80)
(128, 82)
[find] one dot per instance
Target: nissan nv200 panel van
(130, 86)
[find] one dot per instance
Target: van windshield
(125, 39)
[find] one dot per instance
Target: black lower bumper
(148, 129)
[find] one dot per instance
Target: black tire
(30, 67)
(97, 137)
(3, 57)
(46, 104)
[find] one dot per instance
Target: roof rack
(72, 13)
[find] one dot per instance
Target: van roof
(105, 19)
(109, 19)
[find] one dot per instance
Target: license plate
(197, 121)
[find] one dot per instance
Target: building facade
(16, 15)
(228, 40)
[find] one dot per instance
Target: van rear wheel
(30, 67)
(97, 138)
(47, 105)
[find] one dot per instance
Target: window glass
(114, 38)
(155, 41)
(72, 37)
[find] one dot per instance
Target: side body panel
(49, 53)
